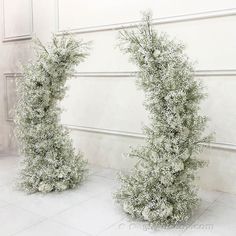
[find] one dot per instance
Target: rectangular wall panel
(219, 106)
(116, 104)
(211, 43)
(17, 19)
(10, 96)
(104, 103)
(95, 14)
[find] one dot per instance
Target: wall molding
(6, 107)
(12, 74)
(156, 21)
(215, 145)
(122, 74)
(105, 131)
(197, 73)
(17, 37)
(105, 74)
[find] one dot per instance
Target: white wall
(103, 107)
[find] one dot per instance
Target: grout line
(221, 203)
(200, 214)
(72, 227)
(73, 205)
(111, 179)
(6, 204)
(110, 226)
(51, 217)
(28, 227)
(48, 218)
(29, 211)
(57, 221)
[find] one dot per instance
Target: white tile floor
(90, 210)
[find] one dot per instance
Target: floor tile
(227, 200)
(131, 227)
(50, 228)
(9, 170)
(92, 216)
(209, 196)
(14, 219)
(91, 210)
(9, 193)
(53, 203)
(204, 205)
(217, 220)
(3, 203)
(8, 178)
(97, 185)
(94, 169)
(108, 173)
(9, 163)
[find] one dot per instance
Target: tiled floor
(90, 210)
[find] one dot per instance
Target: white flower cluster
(160, 189)
(50, 163)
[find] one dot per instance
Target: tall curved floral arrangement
(50, 162)
(161, 188)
